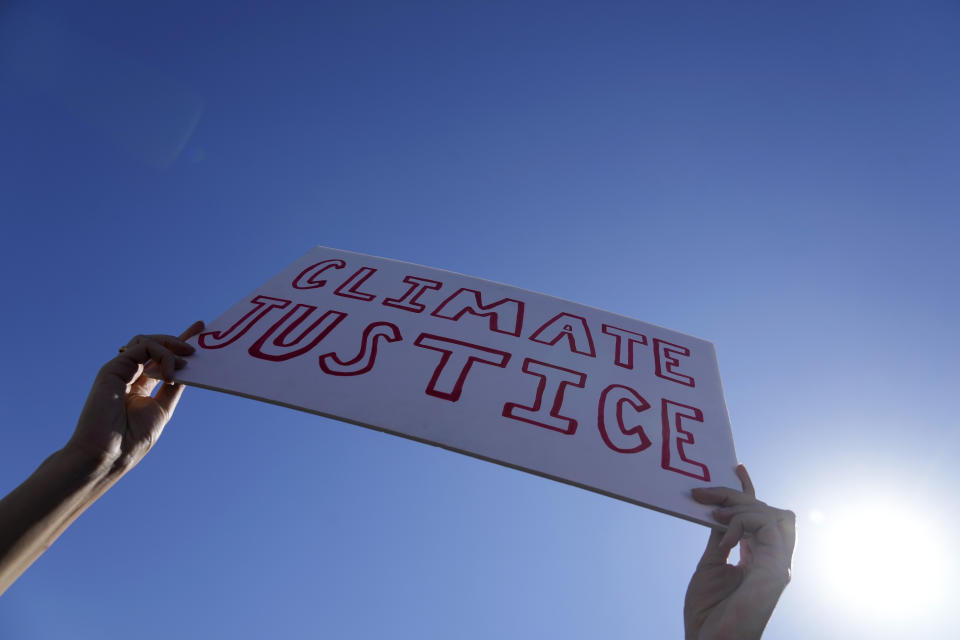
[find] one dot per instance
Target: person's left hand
(121, 420)
(736, 601)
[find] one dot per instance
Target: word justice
(300, 328)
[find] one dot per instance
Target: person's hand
(734, 602)
(119, 423)
(121, 420)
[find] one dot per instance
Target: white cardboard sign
(559, 389)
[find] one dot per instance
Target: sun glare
(888, 563)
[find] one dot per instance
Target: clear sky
(780, 180)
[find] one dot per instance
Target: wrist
(79, 462)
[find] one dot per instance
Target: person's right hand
(121, 420)
(734, 602)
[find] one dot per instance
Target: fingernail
(181, 362)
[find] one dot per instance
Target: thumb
(168, 397)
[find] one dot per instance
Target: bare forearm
(735, 601)
(745, 616)
(34, 514)
(119, 423)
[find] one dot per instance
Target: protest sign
(559, 389)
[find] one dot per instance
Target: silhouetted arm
(119, 424)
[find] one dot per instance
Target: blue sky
(780, 180)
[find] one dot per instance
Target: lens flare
(888, 563)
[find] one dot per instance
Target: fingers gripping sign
(735, 601)
(121, 420)
(119, 423)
